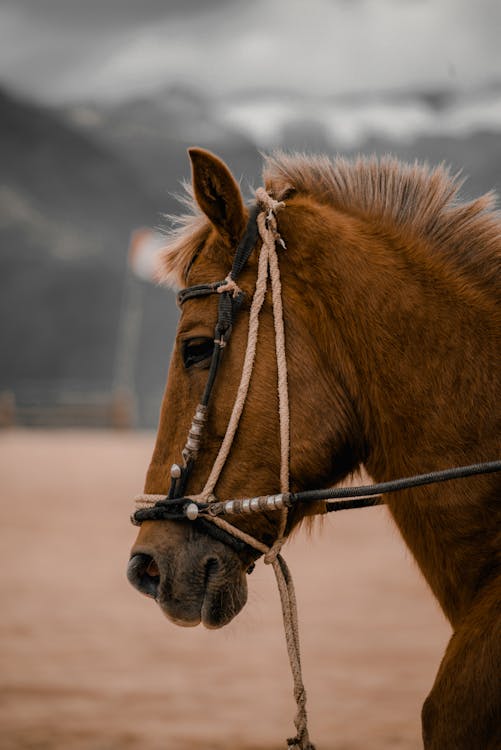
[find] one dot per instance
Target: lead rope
(268, 261)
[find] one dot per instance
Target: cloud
(110, 13)
(114, 49)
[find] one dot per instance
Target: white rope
(147, 501)
(243, 388)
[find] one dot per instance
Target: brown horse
(390, 290)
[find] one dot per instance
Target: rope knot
(229, 285)
(267, 222)
(274, 551)
(269, 203)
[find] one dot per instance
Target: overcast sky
(68, 50)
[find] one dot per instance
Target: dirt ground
(87, 663)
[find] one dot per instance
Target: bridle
(204, 510)
(175, 506)
(262, 222)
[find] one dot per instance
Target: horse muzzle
(199, 581)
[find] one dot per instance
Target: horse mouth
(223, 599)
(211, 593)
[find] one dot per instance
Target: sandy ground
(87, 663)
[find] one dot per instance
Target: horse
(390, 288)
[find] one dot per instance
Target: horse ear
(217, 194)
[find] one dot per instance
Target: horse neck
(416, 344)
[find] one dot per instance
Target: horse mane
(184, 240)
(410, 198)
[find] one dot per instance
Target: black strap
(214, 366)
(166, 509)
(174, 510)
(242, 254)
(225, 537)
(197, 290)
(228, 307)
(359, 502)
(247, 243)
(432, 477)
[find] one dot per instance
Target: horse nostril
(152, 569)
(143, 573)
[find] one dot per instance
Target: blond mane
(184, 240)
(414, 198)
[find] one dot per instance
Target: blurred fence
(68, 404)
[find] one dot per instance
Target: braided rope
(269, 233)
(268, 260)
(144, 500)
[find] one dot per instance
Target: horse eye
(197, 352)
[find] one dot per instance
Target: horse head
(194, 576)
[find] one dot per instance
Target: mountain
(74, 184)
(66, 211)
(76, 181)
(153, 133)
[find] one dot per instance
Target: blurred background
(98, 103)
